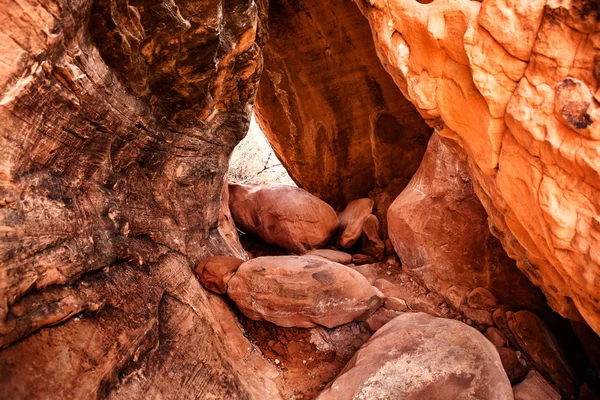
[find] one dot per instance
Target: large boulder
(304, 292)
(439, 229)
(417, 356)
(514, 85)
(283, 215)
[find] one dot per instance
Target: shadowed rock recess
(443, 241)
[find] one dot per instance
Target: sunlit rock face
(329, 109)
(117, 120)
(515, 84)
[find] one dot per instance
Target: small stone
(215, 272)
(371, 242)
(495, 336)
(509, 358)
(535, 387)
(396, 304)
(481, 298)
(351, 221)
(331, 255)
(360, 259)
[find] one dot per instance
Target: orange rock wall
(515, 84)
(332, 113)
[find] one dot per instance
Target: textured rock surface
(439, 229)
(352, 220)
(283, 215)
(331, 112)
(536, 340)
(117, 119)
(417, 356)
(214, 272)
(535, 387)
(302, 292)
(515, 85)
(331, 255)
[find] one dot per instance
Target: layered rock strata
(117, 122)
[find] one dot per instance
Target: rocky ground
(276, 305)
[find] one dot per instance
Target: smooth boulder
(417, 356)
(303, 292)
(283, 215)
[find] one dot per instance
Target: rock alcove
(445, 219)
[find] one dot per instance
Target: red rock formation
(331, 112)
(302, 292)
(283, 215)
(417, 356)
(117, 119)
(439, 229)
(515, 84)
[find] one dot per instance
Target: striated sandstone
(117, 120)
(515, 85)
(304, 292)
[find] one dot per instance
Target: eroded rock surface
(440, 231)
(117, 119)
(417, 356)
(294, 291)
(331, 112)
(284, 215)
(515, 85)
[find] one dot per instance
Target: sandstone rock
(396, 304)
(116, 124)
(535, 387)
(541, 347)
(283, 215)
(495, 336)
(331, 255)
(352, 220)
(369, 271)
(379, 318)
(328, 107)
(481, 298)
(214, 272)
(440, 232)
(361, 259)
(416, 356)
(533, 154)
(303, 292)
(370, 241)
(509, 359)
